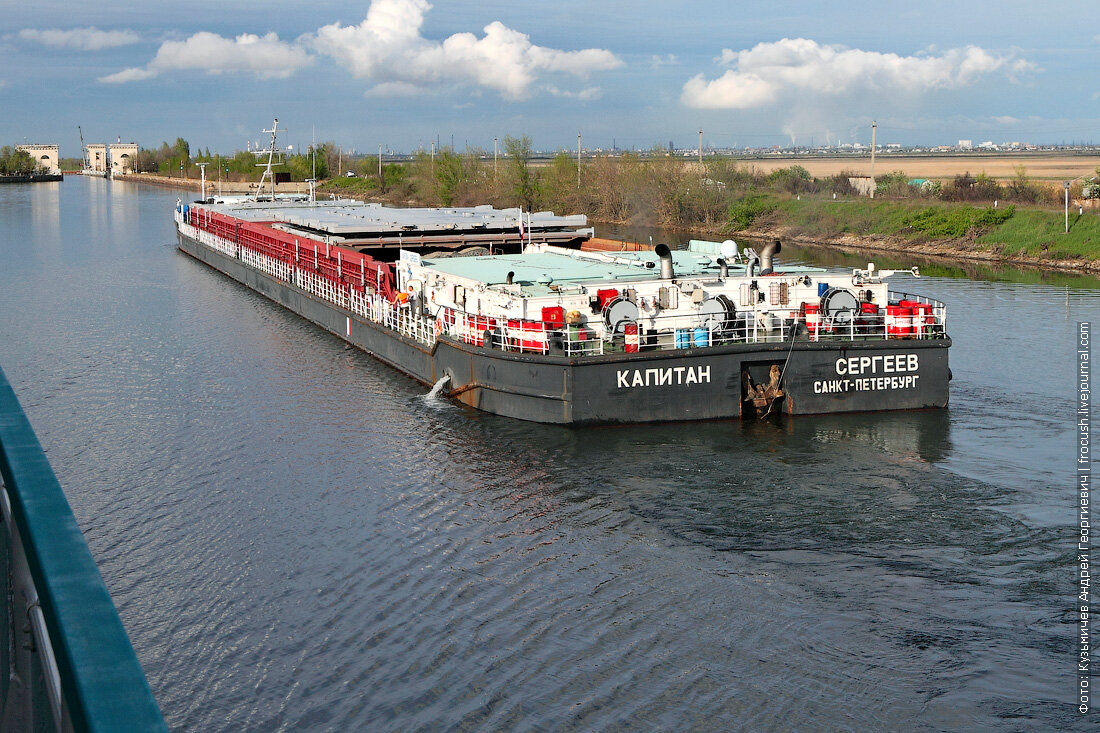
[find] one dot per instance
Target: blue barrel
(702, 338)
(822, 288)
(683, 338)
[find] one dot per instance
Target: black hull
(650, 386)
(33, 178)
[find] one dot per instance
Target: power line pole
(700, 150)
(379, 161)
(578, 160)
(1066, 186)
(494, 158)
(874, 127)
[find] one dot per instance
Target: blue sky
(402, 72)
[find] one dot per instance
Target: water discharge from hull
(437, 387)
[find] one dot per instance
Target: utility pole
(494, 158)
(433, 158)
(578, 160)
(202, 167)
(700, 151)
(379, 161)
(874, 126)
(1066, 186)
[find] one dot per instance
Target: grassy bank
(1008, 232)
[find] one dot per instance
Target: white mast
(270, 160)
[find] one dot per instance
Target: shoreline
(960, 250)
(229, 188)
(946, 250)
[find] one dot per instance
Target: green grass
(1043, 234)
(350, 186)
(1007, 230)
(828, 217)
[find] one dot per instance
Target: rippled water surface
(297, 540)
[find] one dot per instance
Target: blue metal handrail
(102, 684)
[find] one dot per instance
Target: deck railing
(66, 663)
(650, 331)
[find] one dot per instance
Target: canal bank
(946, 250)
(958, 250)
(213, 186)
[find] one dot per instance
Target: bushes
(968, 188)
(745, 212)
(894, 184)
(956, 222)
(793, 180)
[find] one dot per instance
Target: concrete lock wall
(97, 157)
(122, 158)
(44, 155)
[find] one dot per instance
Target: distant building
(122, 158)
(44, 155)
(965, 145)
(97, 157)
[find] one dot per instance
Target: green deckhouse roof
(576, 268)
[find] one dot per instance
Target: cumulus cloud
(389, 48)
(769, 73)
(584, 95)
(80, 39)
(265, 56)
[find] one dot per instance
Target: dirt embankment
(213, 187)
(155, 180)
(948, 249)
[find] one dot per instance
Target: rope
(783, 371)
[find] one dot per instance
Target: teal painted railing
(66, 662)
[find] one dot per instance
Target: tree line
(14, 162)
(177, 160)
(654, 189)
(660, 190)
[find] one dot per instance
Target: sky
(404, 73)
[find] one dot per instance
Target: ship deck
(536, 271)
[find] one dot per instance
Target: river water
(297, 540)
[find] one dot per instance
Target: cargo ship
(509, 313)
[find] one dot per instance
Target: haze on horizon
(401, 73)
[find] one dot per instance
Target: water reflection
(46, 213)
